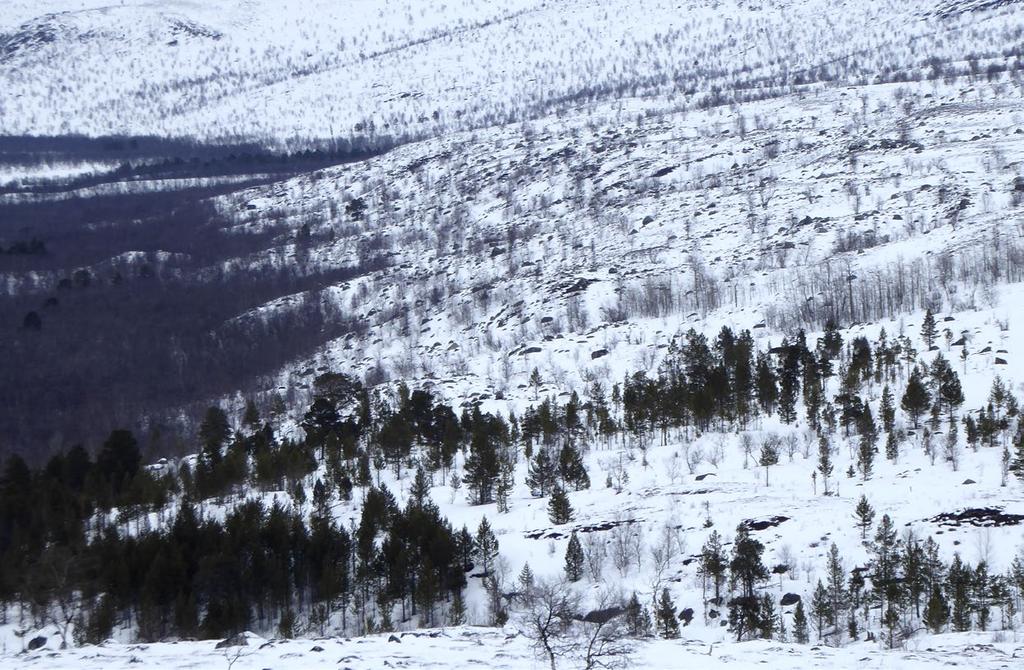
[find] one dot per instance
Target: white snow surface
(507, 650)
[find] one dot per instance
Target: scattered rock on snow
(968, 482)
(394, 638)
(603, 615)
(686, 616)
(790, 599)
(980, 517)
(763, 524)
(36, 643)
(237, 640)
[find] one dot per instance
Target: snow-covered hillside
(301, 70)
(504, 650)
(558, 192)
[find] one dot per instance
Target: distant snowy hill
(294, 71)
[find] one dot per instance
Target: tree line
(100, 541)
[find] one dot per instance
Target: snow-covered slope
(581, 182)
(504, 650)
(315, 70)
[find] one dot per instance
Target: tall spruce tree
(574, 559)
(928, 329)
(559, 509)
(916, 399)
(864, 513)
(825, 461)
(800, 624)
(665, 616)
(486, 546)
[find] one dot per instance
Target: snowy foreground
(490, 648)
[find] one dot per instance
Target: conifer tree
(936, 611)
(668, 624)
(638, 619)
(574, 559)
(746, 568)
(928, 329)
(950, 391)
(713, 564)
(457, 610)
(888, 410)
(769, 457)
(824, 461)
(821, 608)
(486, 545)
(214, 433)
(768, 622)
(865, 515)
(572, 469)
(916, 398)
(800, 624)
(482, 466)
(419, 492)
(526, 581)
(959, 580)
(541, 474)
(765, 386)
(559, 509)
(503, 486)
(892, 447)
(836, 584)
(866, 455)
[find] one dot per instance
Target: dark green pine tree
(789, 385)
(486, 546)
(419, 491)
(482, 467)
(665, 616)
(768, 622)
(936, 611)
(928, 329)
(574, 559)
(540, 476)
(825, 461)
(559, 509)
(766, 387)
(950, 391)
(821, 609)
(892, 447)
(571, 468)
(1016, 465)
(916, 399)
(959, 580)
(746, 568)
(864, 513)
(836, 585)
(638, 619)
(888, 410)
(214, 432)
(800, 624)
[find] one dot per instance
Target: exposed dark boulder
(790, 599)
(236, 640)
(603, 615)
